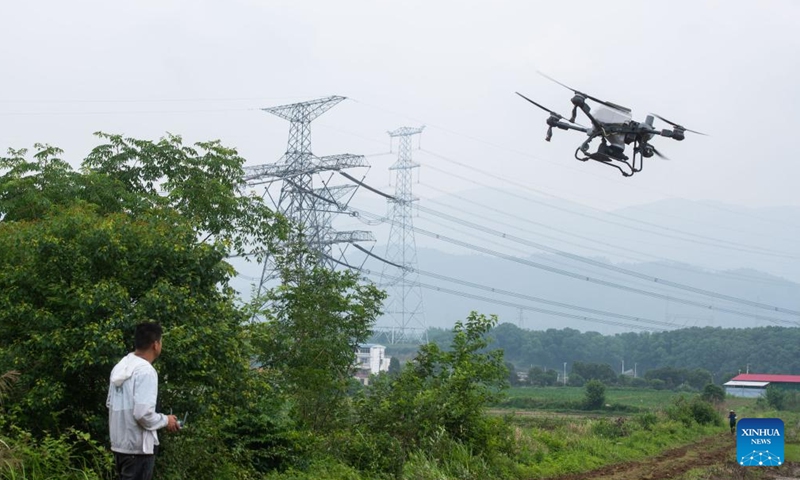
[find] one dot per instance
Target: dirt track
(715, 455)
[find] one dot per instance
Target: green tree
(313, 324)
(575, 380)
(441, 391)
(513, 379)
(140, 233)
(776, 397)
(595, 371)
(541, 378)
(394, 366)
(595, 394)
(713, 393)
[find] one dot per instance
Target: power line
(523, 296)
(719, 243)
(587, 278)
(506, 303)
(627, 250)
(606, 266)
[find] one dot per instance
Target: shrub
(575, 380)
(607, 428)
(72, 455)
(639, 383)
(713, 393)
(595, 394)
(373, 452)
(685, 387)
(646, 420)
(704, 413)
(657, 384)
(441, 390)
(775, 397)
(693, 411)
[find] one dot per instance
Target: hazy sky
(202, 69)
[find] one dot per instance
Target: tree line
(722, 352)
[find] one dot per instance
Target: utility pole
(564, 379)
(404, 305)
(308, 206)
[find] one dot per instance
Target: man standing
(732, 421)
(132, 417)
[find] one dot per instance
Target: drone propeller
(679, 127)
(659, 154)
(553, 120)
(555, 114)
(577, 92)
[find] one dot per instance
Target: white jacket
(132, 417)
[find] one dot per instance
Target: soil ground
(712, 458)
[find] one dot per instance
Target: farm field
(646, 443)
(552, 397)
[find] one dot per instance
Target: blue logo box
(759, 442)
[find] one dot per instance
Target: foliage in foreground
(142, 233)
(71, 455)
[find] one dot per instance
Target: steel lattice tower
(299, 200)
(404, 304)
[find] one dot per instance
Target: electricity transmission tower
(404, 304)
(309, 206)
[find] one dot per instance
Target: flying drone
(614, 126)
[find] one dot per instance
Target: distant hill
(743, 253)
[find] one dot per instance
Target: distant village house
(752, 385)
(371, 359)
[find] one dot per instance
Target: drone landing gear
(611, 156)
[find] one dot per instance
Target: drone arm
(676, 134)
(554, 121)
(568, 126)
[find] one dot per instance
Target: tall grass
(70, 456)
(7, 380)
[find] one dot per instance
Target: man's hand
(172, 423)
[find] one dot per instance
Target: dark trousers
(134, 467)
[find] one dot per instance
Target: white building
(738, 388)
(370, 360)
(755, 384)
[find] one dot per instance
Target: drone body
(614, 126)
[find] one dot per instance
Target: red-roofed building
(755, 384)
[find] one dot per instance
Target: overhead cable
(608, 266)
(588, 278)
(719, 243)
(505, 303)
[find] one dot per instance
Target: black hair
(146, 335)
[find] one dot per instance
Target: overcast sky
(202, 69)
